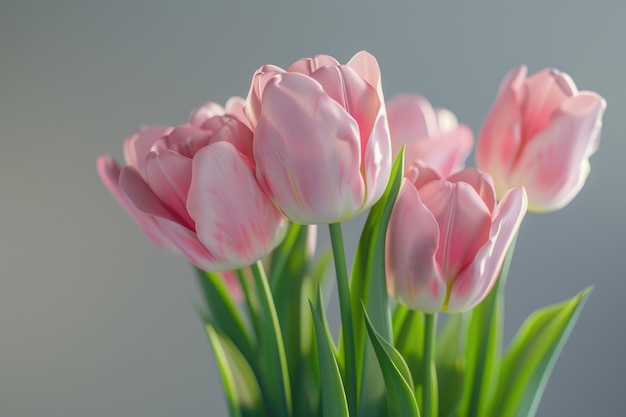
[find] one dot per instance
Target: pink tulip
(447, 239)
(192, 189)
(431, 136)
(321, 139)
(540, 134)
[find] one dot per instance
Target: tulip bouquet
(238, 190)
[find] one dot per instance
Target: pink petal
(544, 93)
(346, 87)
(554, 165)
(481, 182)
(138, 146)
(235, 107)
(413, 276)
(109, 172)
(366, 65)
(411, 120)
(500, 138)
(463, 220)
(261, 77)
(307, 150)
(476, 281)
(185, 140)
(446, 120)
(308, 66)
(235, 220)
(206, 111)
(419, 174)
(142, 197)
(169, 183)
(190, 246)
(377, 161)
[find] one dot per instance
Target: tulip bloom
(193, 191)
(540, 133)
(447, 239)
(321, 138)
(432, 137)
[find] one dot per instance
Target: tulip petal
(346, 87)
(235, 107)
(366, 65)
(463, 220)
(307, 150)
(138, 146)
(413, 276)
(235, 220)
(500, 137)
(206, 111)
(480, 181)
(411, 120)
(190, 246)
(109, 172)
(168, 175)
(142, 197)
(543, 94)
(476, 281)
(554, 165)
(252, 108)
(308, 66)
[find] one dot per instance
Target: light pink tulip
(431, 136)
(321, 139)
(447, 239)
(192, 189)
(540, 134)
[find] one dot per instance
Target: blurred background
(95, 321)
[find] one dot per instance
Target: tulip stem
(278, 375)
(347, 325)
(430, 399)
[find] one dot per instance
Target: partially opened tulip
(432, 137)
(321, 138)
(447, 239)
(540, 134)
(193, 191)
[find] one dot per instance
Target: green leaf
(273, 362)
(241, 388)
(224, 313)
(307, 395)
(398, 382)
(529, 360)
(408, 330)
(334, 402)
(368, 285)
(450, 360)
(484, 344)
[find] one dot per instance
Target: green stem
(278, 361)
(430, 372)
(347, 325)
(251, 302)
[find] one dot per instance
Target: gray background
(95, 321)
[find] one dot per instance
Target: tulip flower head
(193, 191)
(321, 138)
(540, 134)
(447, 239)
(432, 137)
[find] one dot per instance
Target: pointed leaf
(368, 286)
(241, 387)
(224, 313)
(484, 346)
(398, 382)
(334, 402)
(530, 358)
